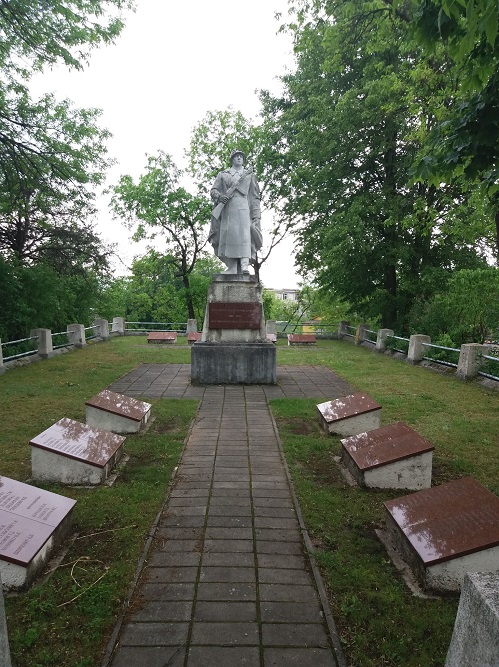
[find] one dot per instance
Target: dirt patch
(325, 470)
(299, 426)
(169, 426)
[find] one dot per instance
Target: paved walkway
(228, 580)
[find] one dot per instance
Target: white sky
(174, 62)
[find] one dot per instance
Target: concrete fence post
(271, 327)
(2, 367)
(4, 637)
(469, 355)
(381, 339)
(45, 348)
(103, 328)
(192, 326)
(416, 349)
(118, 326)
(76, 335)
(360, 334)
(343, 328)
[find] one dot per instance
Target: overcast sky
(174, 62)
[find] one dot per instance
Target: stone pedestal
(475, 640)
(234, 347)
(33, 522)
(72, 453)
(446, 531)
(349, 415)
(116, 412)
(391, 457)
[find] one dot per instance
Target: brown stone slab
(347, 406)
(162, 337)
(28, 518)
(385, 445)
(118, 404)
(79, 441)
(302, 339)
(448, 521)
(235, 315)
(193, 337)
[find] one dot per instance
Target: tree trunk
(188, 297)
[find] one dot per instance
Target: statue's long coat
(237, 232)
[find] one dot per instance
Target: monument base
(233, 363)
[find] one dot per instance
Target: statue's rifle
(219, 207)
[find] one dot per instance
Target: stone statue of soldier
(235, 231)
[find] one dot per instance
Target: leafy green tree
(348, 127)
(157, 205)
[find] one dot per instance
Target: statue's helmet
(235, 152)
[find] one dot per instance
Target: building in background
(285, 294)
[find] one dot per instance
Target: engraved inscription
(235, 315)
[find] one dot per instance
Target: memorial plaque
(162, 337)
(119, 404)
(448, 521)
(348, 406)
(79, 441)
(28, 518)
(235, 315)
(385, 445)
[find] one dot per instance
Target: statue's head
(237, 152)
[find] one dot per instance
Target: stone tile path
(228, 580)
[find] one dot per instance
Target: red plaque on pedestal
(235, 315)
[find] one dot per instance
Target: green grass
(47, 628)
(380, 622)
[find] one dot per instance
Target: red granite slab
(193, 337)
(385, 445)
(244, 315)
(347, 406)
(448, 521)
(28, 517)
(161, 336)
(79, 442)
(118, 404)
(302, 338)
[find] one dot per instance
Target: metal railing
(91, 328)
(20, 343)
(495, 362)
(441, 359)
(397, 349)
(178, 327)
(372, 336)
(60, 334)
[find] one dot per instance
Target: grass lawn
(66, 621)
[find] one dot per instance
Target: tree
(350, 122)
(159, 205)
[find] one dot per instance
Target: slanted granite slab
(391, 457)
(475, 640)
(69, 452)
(116, 412)
(301, 339)
(350, 415)
(446, 531)
(193, 337)
(272, 338)
(162, 337)
(33, 523)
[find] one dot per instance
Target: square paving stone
(215, 533)
(170, 575)
(183, 521)
(228, 559)
(294, 634)
(154, 634)
(230, 521)
(304, 657)
(184, 546)
(166, 610)
(226, 612)
(173, 533)
(238, 634)
(167, 591)
(224, 656)
(228, 546)
(291, 612)
(287, 593)
(272, 547)
(228, 574)
(152, 656)
(177, 559)
(242, 592)
(280, 561)
(277, 535)
(276, 522)
(234, 511)
(227, 502)
(284, 576)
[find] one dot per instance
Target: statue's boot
(231, 265)
(244, 264)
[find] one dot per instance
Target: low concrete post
(118, 326)
(4, 637)
(360, 334)
(381, 338)
(2, 367)
(45, 349)
(76, 335)
(342, 328)
(475, 640)
(467, 366)
(192, 326)
(271, 327)
(416, 349)
(103, 328)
